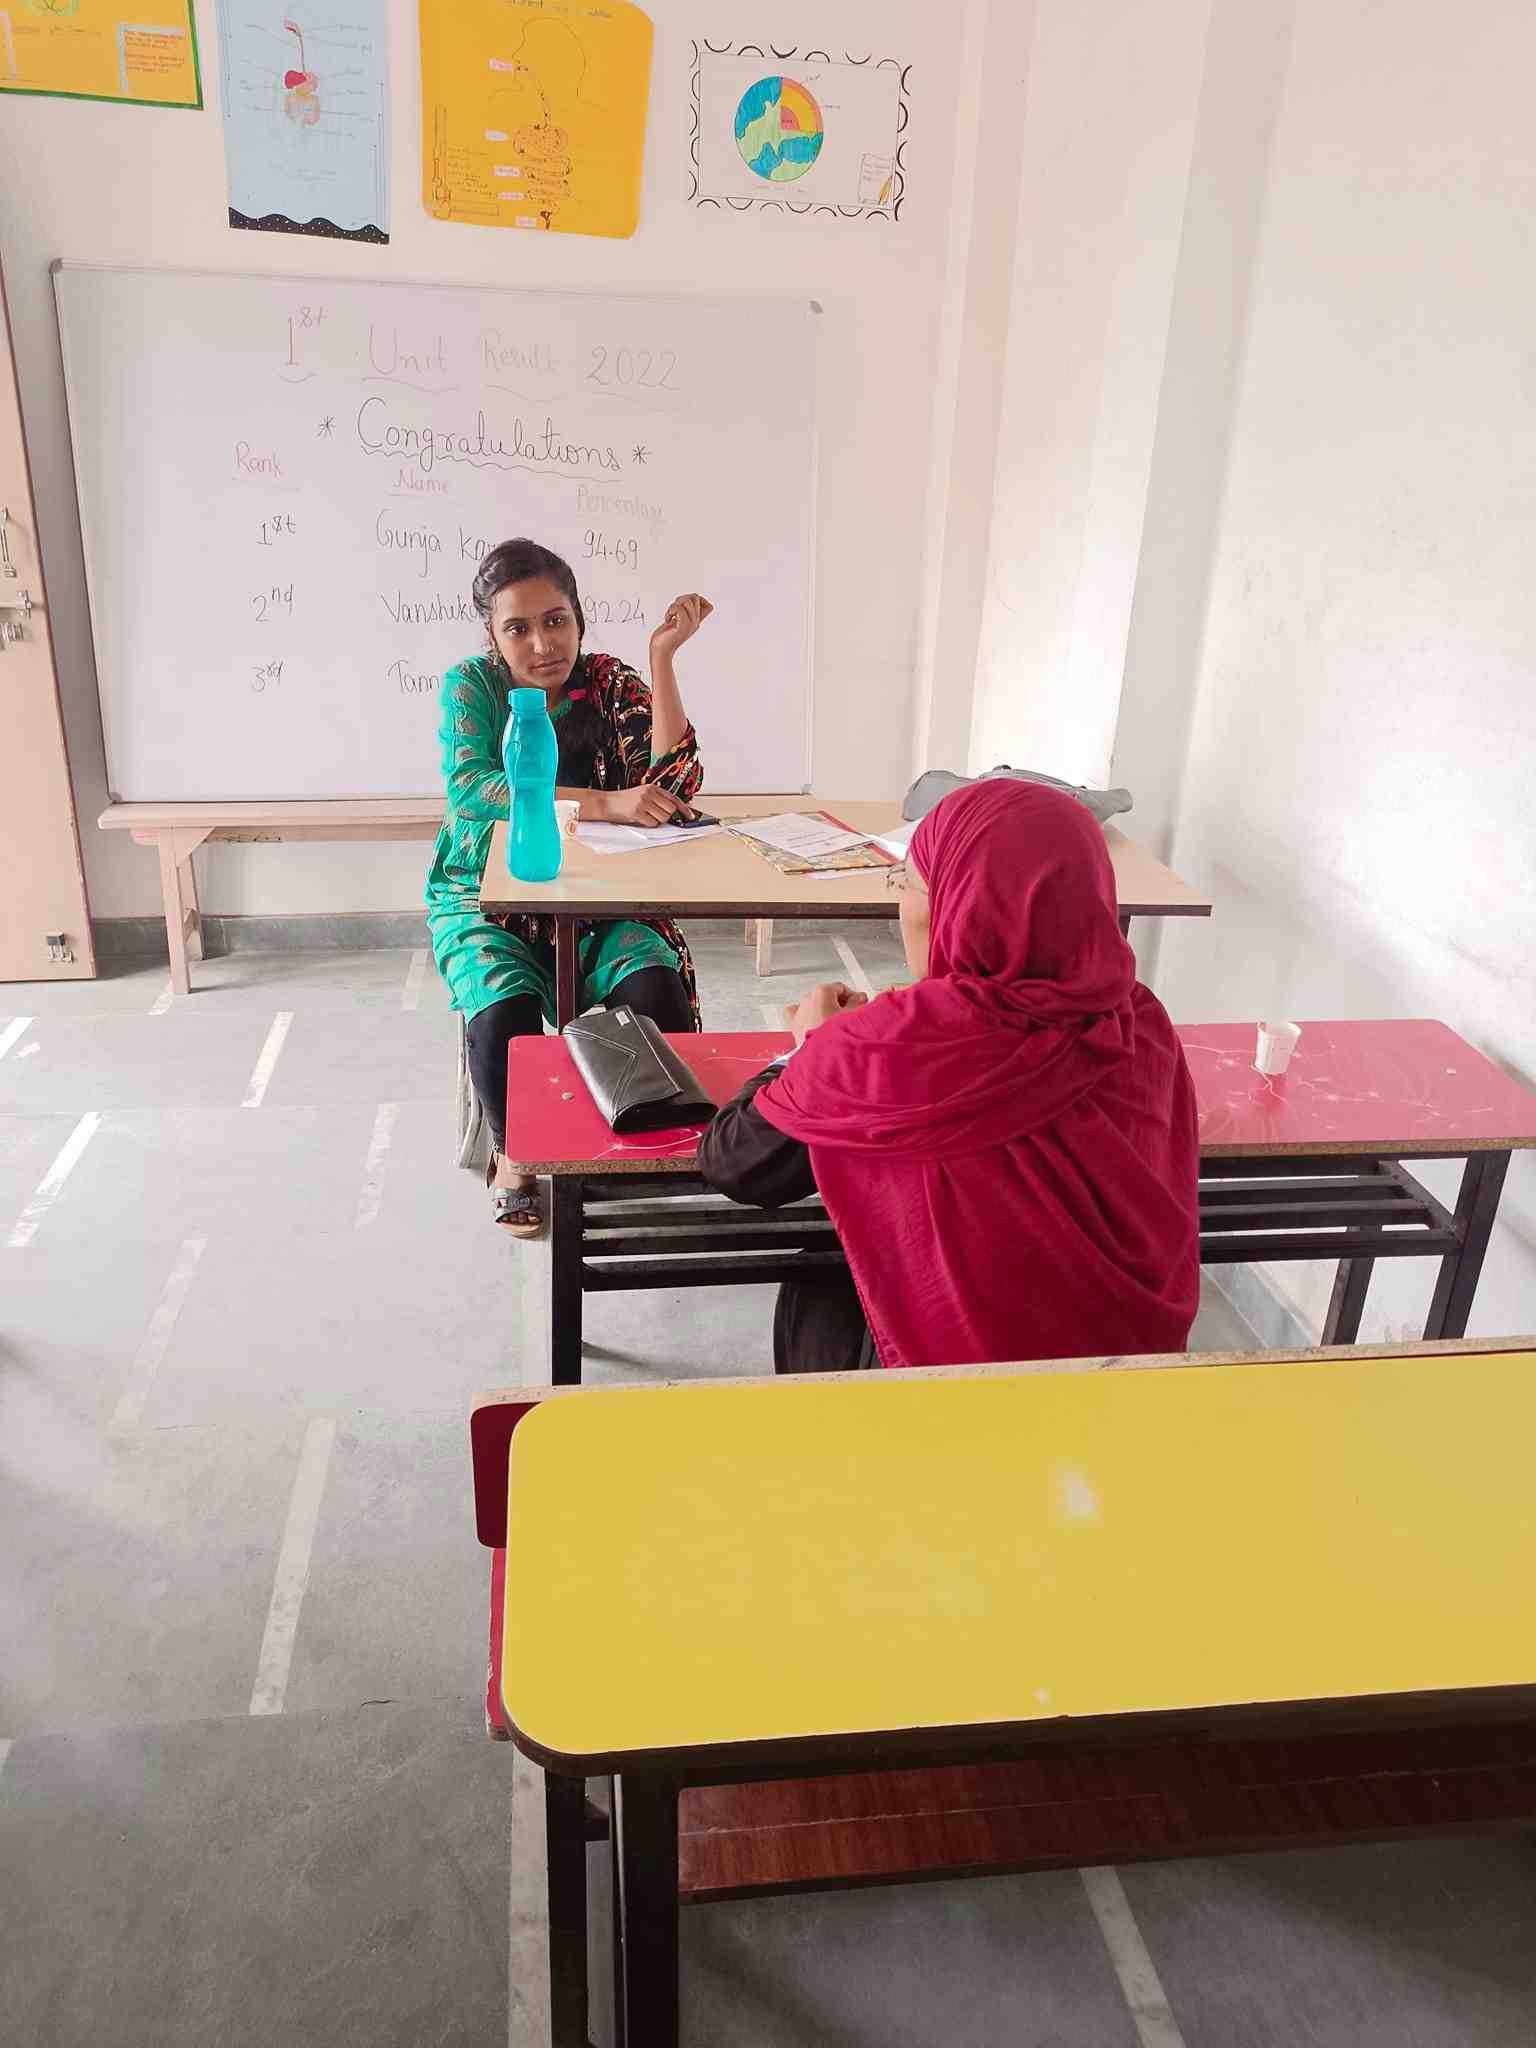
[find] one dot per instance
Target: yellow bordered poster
(141, 51)
(533, 113)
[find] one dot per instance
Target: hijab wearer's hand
(830, 999)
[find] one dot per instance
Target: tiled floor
(219, 1314)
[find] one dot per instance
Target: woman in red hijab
(1008, 1148)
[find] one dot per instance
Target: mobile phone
(698, 818)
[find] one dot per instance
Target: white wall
(1108, 124)
(1357, 792)
(995, 58)
(140, 186)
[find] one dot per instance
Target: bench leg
(565, 1303)
(175, 916)
(765, 945)
(1476, 1207)
(645, 1823)
(194, 909)
(1353, 1279)
(547, 1946)
(565, 1802)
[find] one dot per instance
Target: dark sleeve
(741, 1155)
(627, 702)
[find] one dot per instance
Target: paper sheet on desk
(802, 833)
(898, 842)
(638, 838)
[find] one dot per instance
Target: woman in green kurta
(627, 753)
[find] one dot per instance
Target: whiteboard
(285, 488)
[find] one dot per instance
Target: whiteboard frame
(61, 264)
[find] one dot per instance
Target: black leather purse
(633, 1075)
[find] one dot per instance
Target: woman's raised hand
(684, 616)
(830, 999)
(646, 804)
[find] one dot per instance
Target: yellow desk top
(722, 876)
(708, 1566)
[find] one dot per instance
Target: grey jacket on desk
(932, 788)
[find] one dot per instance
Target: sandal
(514, 1209)
(517, 1210)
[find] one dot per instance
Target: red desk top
(552, 1121)
(1396, 1086)
(1393, 1087)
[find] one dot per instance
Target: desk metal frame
(619, 1232)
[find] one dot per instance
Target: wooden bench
(1316, 1774)
(176, 831)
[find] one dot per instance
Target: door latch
(11, 627)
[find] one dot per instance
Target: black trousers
(819, 1326)
(656, 992)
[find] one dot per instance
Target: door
(45, 927)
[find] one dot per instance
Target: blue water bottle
(532, 756)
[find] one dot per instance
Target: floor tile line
(292, 1575)
(371, 1196)
(48, 1189)
(416, 973)
(855, 967)
(157, 1337)
(1155, 2024)
(266, 1060)
(17, 1028)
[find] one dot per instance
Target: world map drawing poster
(533, 113)
(797, 131)
(145, 54)
(306, 116)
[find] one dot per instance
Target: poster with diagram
(306, 116)
(140, 51)
(533, 113)
(797, 131)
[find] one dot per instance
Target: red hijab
(1008, 1148)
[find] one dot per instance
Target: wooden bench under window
(176, 831)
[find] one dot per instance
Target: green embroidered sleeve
(469, 732)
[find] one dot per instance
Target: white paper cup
(1276, 1044)
(566, 814)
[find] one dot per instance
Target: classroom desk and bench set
(831, 1631)
(716, 877)
(828, 1631)
(1306, 1165)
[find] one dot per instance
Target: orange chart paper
(134, 50)
(533, 113)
